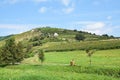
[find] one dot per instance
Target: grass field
(105, 66)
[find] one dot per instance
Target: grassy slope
(69, 46)
(68, 35)
(56, 67)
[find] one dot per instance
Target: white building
(56, 35)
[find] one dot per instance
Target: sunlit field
(105, 66)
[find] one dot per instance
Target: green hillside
(57, 39)
(43, 38)
(5, 37)
(63, 33)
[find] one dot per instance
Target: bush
(37, 43)
(41, 55)
(79, 37)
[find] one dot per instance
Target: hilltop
(64, 34)
(57, 39)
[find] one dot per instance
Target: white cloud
(95, 27)
(15, 28)
(42, 9)
(68, 10)
(11, 29)
(66, 2)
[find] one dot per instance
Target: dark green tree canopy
(79, 37)
(11, 52)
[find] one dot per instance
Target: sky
(94, 16)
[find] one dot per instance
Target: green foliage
(37, 43)
(50, 30)
(106, 36)
(11, 52)
(79, 37)
(28, 48)
(41, 55)
(28, 51)
(19, 52)
(37, 40)
(89, 52)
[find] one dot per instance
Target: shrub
(41, 55)
(79, 37)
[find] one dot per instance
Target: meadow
(105, 66)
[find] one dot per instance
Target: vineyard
(83, 45)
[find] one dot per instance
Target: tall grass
(37, 72)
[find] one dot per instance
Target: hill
(63, 34)
(5, 37)
(57, 39)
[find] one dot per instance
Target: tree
(105, 35)
(4, 56)
(10, 47)
(79, 37)
(112, 37)
(20, 53)
(11, 52)
(41, 55)
(75, 30)
(89, 54)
